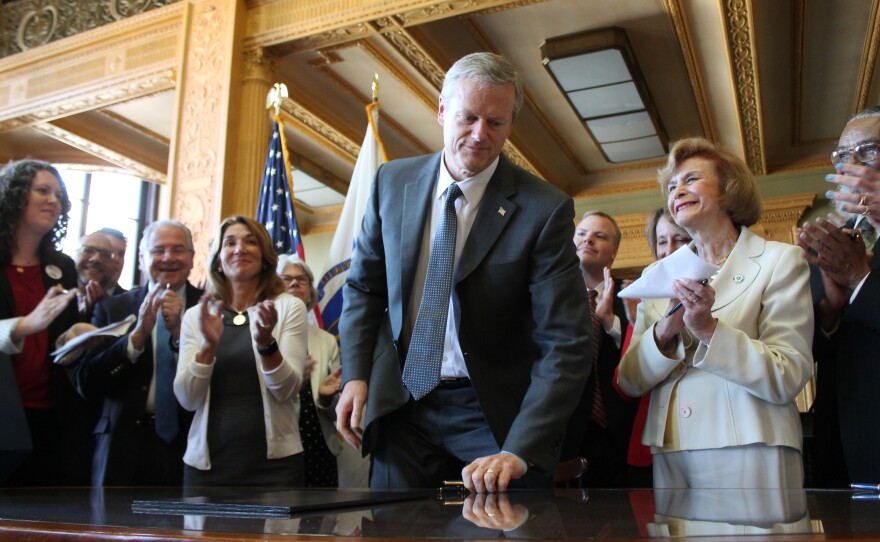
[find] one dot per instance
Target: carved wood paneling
(89, 71)
(281, 21)
(740, 32)
(198, 157)
(27, 24)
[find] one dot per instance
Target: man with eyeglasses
(141, 434)
(118, 244)
(846, 291)
(93, 259)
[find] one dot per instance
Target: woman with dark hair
(34, 207)
(723, 370)
(242, 355)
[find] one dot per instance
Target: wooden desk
(106, 514)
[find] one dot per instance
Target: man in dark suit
(601, 424)
(93, 260)
(847, 303)
(511, 354)
(118, 244)
(135, 444)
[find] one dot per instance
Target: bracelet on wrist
(269, 349)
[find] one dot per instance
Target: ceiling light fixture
(599, 76)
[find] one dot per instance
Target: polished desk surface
(95, 513)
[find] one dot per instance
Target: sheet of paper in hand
(657, 281)
(116, 329)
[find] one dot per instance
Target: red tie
(598, 411)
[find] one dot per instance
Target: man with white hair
(847, 303)
(141, 435)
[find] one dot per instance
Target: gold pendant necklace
(240, 318)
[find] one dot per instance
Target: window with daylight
(107, 199)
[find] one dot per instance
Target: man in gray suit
(513, 351)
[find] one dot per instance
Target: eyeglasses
(89, 252)
(864, 153)
(302, 280)
(177, 252)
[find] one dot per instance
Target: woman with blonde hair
(242, 354)
(724, 369)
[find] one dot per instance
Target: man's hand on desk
(492, 473)
(494, 512)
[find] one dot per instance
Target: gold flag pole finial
(375, 87)
(276, 96)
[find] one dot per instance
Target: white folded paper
(116, 329)
(657, 282)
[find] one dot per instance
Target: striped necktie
(597, 413)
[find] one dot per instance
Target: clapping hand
(864, 195)
(52, 304)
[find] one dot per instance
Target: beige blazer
(742, 386)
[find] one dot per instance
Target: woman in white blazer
(723, 371)
(242, 354)
(317, 402)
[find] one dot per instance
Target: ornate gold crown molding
(739, 28)
(28, 24)
(281, 21)
(324, 133)
(91, 70)
(399, 75)
(869, 60)
(675, 13)
(619, 188)
(364, 99)
(108, 93)
(136, 168)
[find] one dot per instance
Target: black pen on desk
(865, 487)
(680, 304)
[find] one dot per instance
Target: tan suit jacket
(742, 386)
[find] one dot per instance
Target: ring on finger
(492, 472)
(866, 211)
(862, 201)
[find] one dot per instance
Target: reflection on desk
(724, 512)
(78, 513)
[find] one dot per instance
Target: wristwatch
(269, 350)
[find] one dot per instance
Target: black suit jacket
(847, 379)
(519, 302)
(106, 372)
(73, 414)
(620, 413)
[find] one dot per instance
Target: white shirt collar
(472, 188)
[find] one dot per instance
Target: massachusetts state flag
(338, 261)
(275, 207)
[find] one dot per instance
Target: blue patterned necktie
(421, 372)
(166, 403)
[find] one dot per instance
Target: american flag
(275, 208)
